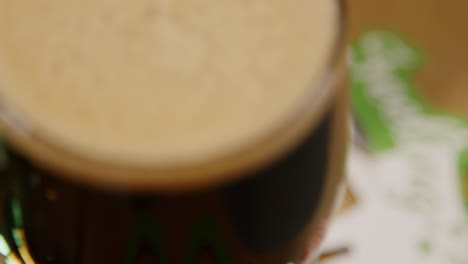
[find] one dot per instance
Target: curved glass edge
(318, 98)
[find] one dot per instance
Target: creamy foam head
(161, 80)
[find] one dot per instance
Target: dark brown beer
(169, 131)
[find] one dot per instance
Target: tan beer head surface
(161, 81)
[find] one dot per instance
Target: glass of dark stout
(170, 131)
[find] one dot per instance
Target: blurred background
(407, 200)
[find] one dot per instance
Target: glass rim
(40, 148)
